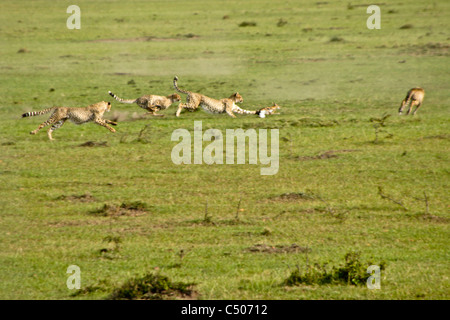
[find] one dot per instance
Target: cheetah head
(236, 97)
(175, 97)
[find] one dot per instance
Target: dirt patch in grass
(293, 196)
(133, 209)
(282, 123)
(247, 24)
(325, 155)
(281, 22)
(432, 218)
(189, 36)
(308, 60)
(293, 248)
(406, 26)
(439, 136)
(94, 144)
(431, 48)
(77, 198)
(336, 39)
(312, 122)
(138, 39)
(78, 223)
(144, 39)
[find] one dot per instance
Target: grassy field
(121, 209)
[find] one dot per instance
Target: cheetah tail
(175, 79)
(37, 113)
(120, 99)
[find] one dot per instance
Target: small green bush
(353, 272)
(247, 24)
(151, 287)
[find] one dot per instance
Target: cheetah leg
(50, 121)
(191, 105)
(229, 110)
(152, 110)
(180, 107)
(55, 126)
(230, 113)
(110, 122)
(103, 123)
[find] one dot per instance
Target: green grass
(56, 197)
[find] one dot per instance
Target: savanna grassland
(353, 176)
